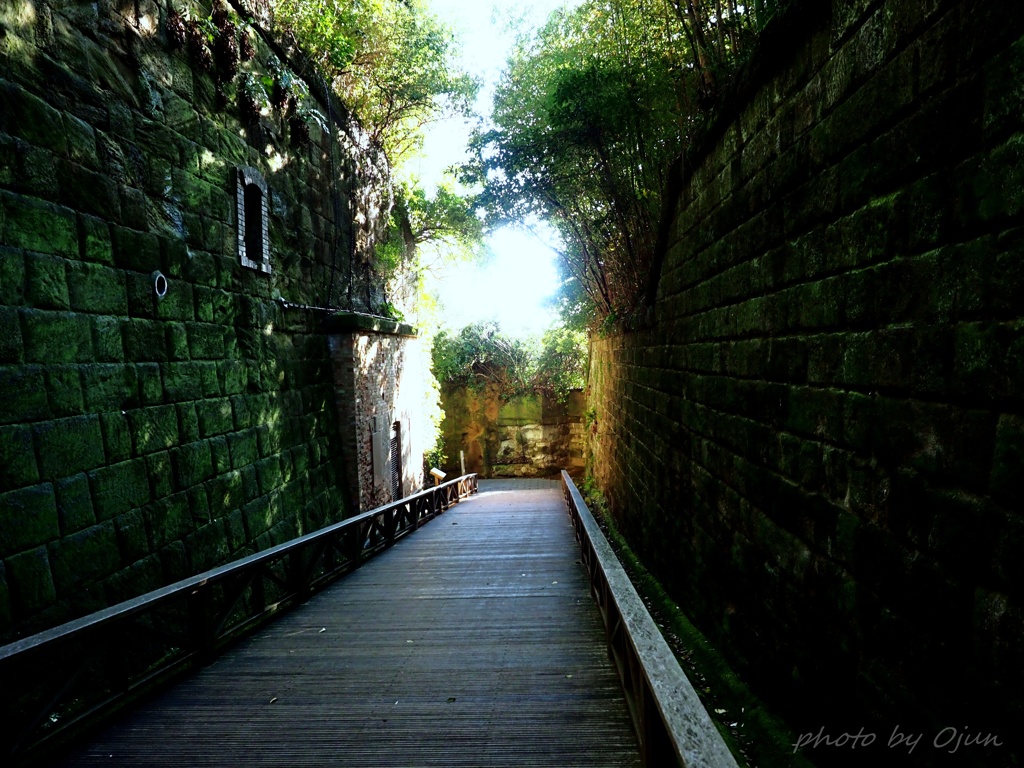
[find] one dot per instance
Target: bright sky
(510, 287)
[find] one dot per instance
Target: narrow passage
(473, 642)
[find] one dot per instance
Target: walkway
(473, 642)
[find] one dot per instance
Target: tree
(480, 355)
(587, 120)
(390, 61)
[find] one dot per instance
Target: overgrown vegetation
(391, 62)
(587, 120)
(480, 355)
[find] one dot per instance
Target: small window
(253, 227)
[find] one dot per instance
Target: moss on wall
(808, 440)
(531, 436)
(143, 438)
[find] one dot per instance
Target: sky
(513, 284)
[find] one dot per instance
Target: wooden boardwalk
(473, 642)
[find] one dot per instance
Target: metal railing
(671, 724)
(58, 682)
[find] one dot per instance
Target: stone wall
(531, 436)
(143, 439)
(381, 375)
(815, 437)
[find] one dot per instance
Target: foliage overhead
(480, 355)
(587, 120)
(391, 62)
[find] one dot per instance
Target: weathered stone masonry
(145, 439)
(816, 438)
(528, 436)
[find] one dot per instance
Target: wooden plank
(675, 727)
(473, 643)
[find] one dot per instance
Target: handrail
(671, 724)
(61, 679)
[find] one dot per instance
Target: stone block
(144, 340)
(30, 581)
(12, 346)
(168, 520)
(177, 342)
(28, 518)
(22, 394)
(199, 504)
(250, 487)
(235, 530)
(201, 268)
(206, 341)
(93, 192)
(188, 422)
(190, 381)
(133, 207)
(208, 547)
(47, 281)
(204, 303)
(151, 386)
(178, 303)
(6, 611)
(225, 493)
(17, 457)
(270, 438)
(1008, 459)
(119, 488)
(56, 337)
(97, 289)
(221, 455)
(215, 417)
(132, 537)
(232, 376)
(37, 226)
(12, 274)
(68, 446)
(109, 386)
(174, 561)
(64, 389)
(84, 557)
(243, 448)
(107, 341)
(74, 504)
(268, 474)
(138, 578)
(161, 476)
(31, 118)
(136, 251)
(117, 438)
(81, 142)
(155, 139)
(154, 429)
(97, 245)
(193, 463)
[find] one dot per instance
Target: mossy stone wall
(143, 440)
(815, 438)
(528, 436)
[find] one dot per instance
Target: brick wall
(816, 434)
(145, 439)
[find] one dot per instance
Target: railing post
(200, 623)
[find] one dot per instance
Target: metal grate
(396, 460)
